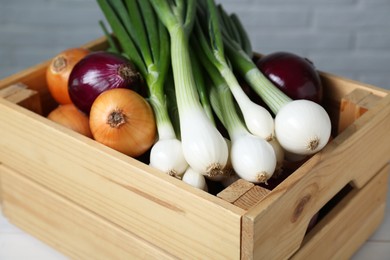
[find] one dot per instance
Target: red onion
(294, 75)
(97, 72)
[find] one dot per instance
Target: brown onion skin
(123, 120)
(58, 71)
(100, 71)
(294, 75)
(69, 116)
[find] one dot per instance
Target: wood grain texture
(354, 105)
(243, 194)
(71, 229)
(234, 191)
(251, 198)
(356, 155)
(349, 108)
(160, 209)
(20, 94)
(349, 224)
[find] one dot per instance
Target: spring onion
(145, 41)
(195, 179)
(204, 148)
(301, 126)
(257, 119)
(252, 157)
(201, 86)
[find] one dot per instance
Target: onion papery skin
(136, 134)
(302, 127)
(98, 72)
(253, 158)
(69, 116)
(59, 70)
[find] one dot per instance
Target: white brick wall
(345, 37)
(350, 38)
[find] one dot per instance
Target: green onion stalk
(145, 40)
(203, 145)
(302, 127)
(252, 157)
(208, 32)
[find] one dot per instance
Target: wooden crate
(89, 201)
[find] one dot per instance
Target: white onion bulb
(302, 127)
(204, 147)
(279, 153)
(258, 120)
(253, 158)
(195, 179)
(167, 156)
(228, 169)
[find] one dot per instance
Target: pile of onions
(97, 72)
(97, 100)
(123, 120)
(58, 71)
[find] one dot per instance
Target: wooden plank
(354, 105)
(234, 191)
(20, 94)
(28, 99)
(160, 209)
(70, 229)
(367, 103)
(11, 89)
(337, 87)
(282, 217)
(349, 224)
(251, 198)
(349, 107)
(243, 194)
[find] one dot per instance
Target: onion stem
(204, 147)
(238, 52)
(208, 38)
(301, 126)
(252, 157)
(145, 40)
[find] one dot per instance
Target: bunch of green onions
(205, 47)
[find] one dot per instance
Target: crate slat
(158, 207)
(71, 229)
(282, 217)
(350, 224)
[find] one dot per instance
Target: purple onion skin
(294, 75)
(97, 72)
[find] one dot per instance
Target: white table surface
(18, 245)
